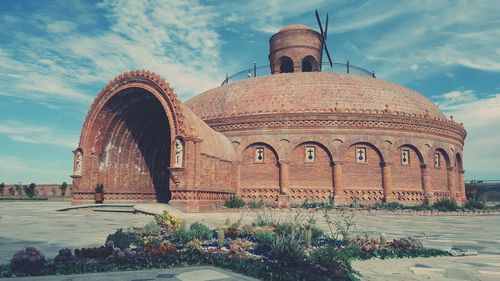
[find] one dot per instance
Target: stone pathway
(38, 224)
(481, 268)
(198, 273)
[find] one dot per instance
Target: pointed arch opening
(131, 143)
(362, 172)
(439, 170)
(309, 64)
(311, 169)
(286, 65)
(407, 166)
(260, 174)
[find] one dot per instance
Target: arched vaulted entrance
(134, 154)
(128, 140)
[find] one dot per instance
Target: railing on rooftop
(265, 70)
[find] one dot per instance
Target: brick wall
(316, 174)
(41, 189)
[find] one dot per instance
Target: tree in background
(19, 189)
(30, 190)
(2, 187)
(63, 188)
(12, 191)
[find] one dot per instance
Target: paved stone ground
(198, 273)
(37, 224)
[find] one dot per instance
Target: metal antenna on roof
(324, 36)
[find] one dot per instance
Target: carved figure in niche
(361, 155)
(78, 163)
(405, 157)
(310, 153)
(259, 155)
(179, 153)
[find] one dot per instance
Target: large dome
(309, 92)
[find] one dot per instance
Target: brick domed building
(305, 131)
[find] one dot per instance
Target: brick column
(237, 177)
(338, 184)
(426, 184)
(461, 186)
(451, 183)
(191, 163)
(284, 177)
(387, 182)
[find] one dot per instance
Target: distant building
(302, 132)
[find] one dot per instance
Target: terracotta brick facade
(298, 135)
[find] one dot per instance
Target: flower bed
(270, 249)
(439, 208)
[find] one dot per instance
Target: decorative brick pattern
(87, 196)
(250, 138)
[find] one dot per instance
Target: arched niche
(259, 167)
(310, 166)
(309, 64)
(286, 64)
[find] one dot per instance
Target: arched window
(309, 64)
(286, 65)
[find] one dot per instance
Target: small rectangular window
(361, 155)
(310, 153)
(437, 160)
(405, 157)
(259, 154)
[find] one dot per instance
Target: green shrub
(309, 205)
(63, 188)
(316, 233)
(151, 229)
(445, 205)
(234, 202)
(29, 261)
(30, 190)
(200, 231)
(256, 204)
(220, 237)
(336, 261)
(288, 250)
(19, 189)
(99, 188)
(392, 206)
(497, 206)
(265, 239)
(182, 235)
(23, 198)
(121, 239)
(473, 204)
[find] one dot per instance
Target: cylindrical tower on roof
(295, 48)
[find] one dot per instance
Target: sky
(56, 55)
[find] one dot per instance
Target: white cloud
(15, 169)
(481, 118)
(176, 39)
(456, 97)
(440, 34)
(271, 15)
(34, 134)
(61, 26)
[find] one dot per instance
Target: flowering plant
(160, 249)
(282, 204)
(169, 223)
